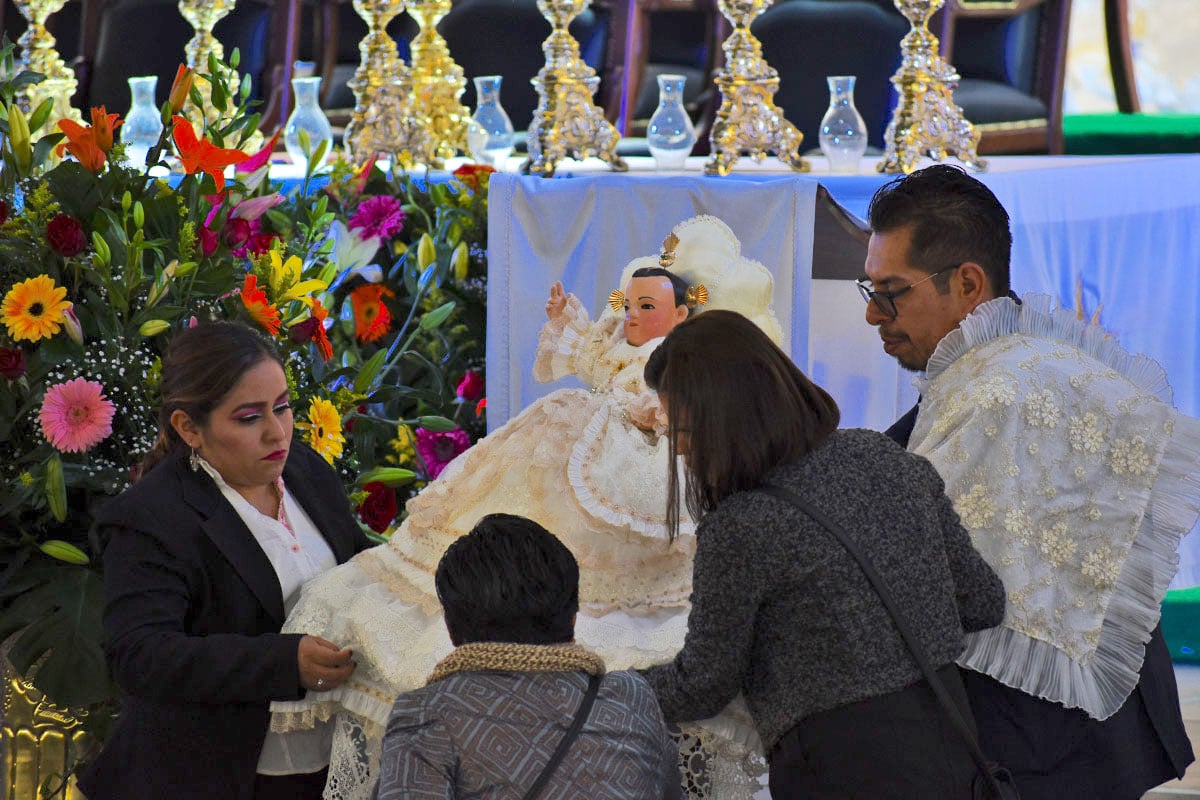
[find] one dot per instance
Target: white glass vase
(490, 134)
(843, 133)
(670, 135)
(308, 117)
(143, 124)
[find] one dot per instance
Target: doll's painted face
(650, 310)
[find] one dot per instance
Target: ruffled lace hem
(1039, 316)
(586, 455)
(1100, 683)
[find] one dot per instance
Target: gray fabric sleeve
(729, 579)
(417, 761)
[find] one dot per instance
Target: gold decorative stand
(566, 122)
(926, 121)
(438, 82)
(38, 55)
(39, 742)
(748, 121)
(203, 16)
(383, 119)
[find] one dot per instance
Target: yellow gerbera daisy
(324, 428)
(34, 309)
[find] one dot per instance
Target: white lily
(352, 254)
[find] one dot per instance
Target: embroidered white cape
(1076, 478)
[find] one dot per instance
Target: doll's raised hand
(557, 301)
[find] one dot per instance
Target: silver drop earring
(194, 460)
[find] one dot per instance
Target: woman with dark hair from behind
(205, 555)
(780, 610)
(496, 710)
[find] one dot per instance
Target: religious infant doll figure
(589, 466)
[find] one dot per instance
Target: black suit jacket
(192, 615)
(1057, 752)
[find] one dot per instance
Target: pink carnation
(439, 449)
(378, 215)
(76, 416)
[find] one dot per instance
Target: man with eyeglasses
(1053, 459)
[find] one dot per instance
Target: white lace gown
(591, 467)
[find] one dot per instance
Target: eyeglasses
(886, 301)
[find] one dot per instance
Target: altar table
(1124, 229)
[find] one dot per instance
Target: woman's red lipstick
(278, 455)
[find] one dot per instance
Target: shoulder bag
(993, 782)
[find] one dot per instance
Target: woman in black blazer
(205, 552)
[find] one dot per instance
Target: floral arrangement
(372, 287)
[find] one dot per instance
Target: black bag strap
(564, 744)
(914, 645)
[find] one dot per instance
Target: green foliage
(143, 256)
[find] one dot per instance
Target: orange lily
(200, 154)
(256, 303)
(319, 313)
(82, 141)
(180, 87)
(103, 127)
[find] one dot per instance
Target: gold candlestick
(748, 121)
(383, 119)
(926, 121)
(40, 741)
(203, 16)
(438, 82)
(38, 55)
(566, 122)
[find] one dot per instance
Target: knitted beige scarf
(512, 657)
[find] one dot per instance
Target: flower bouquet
(364, 286)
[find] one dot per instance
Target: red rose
(12, 362)
(207, 241)
(470, 388)
(65, 234)
(235, 233)
(303, 332)
(379, 509)
(261, 242)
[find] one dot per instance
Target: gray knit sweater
(782, 613)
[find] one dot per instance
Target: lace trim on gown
(1098, 678)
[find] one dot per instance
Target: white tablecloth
(1127, 229)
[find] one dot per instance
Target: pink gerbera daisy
(378, 215)
(438, 449)
(76, 416)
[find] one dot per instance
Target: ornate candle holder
(926, 121)
(41, 741)
(438, 82)
(203, 15)
(383, 119)
(748, 121)
(566, 121)
(38, 55)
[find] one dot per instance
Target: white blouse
(298, 553)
